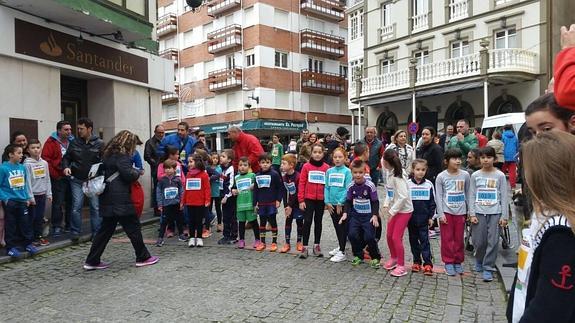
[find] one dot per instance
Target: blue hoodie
(186, 147)
(13, 183)
(338, 178)
(511, 146)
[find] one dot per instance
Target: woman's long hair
(391, 157)
(551, 179)
(124, 142)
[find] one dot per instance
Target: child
(16, 196)
(168, 195)
(361, 152)
(216, 187)
(488, 209)
(243, 190)
(398, 207)
(277, 153)
(228, 200)
(338, 180)
(209, 216)
(292, 211)
(362, 206)
(451, 187)
(267, 198)
(423, 200)
(38, 180)
(311, 198)
(196, 198)
(173, 153)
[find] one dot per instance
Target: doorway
(73, 98)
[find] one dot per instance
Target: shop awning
(256, 125)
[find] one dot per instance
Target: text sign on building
(41, 42)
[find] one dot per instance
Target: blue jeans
(17, 225)
(36, 214)
(77, 202)
(360, 233)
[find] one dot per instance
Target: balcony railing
(386, 32)
(449, 69)
(225, 79)
(327, 9)
(224, 39)
(420, 22)
(171, 97)
(322, 82)
(458, 9)
(167, 24)
(385, 82)
(512, 60)
(219, 7)
(322, 44)
(170, 53)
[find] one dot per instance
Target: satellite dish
(194, 3)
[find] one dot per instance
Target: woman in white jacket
(404, 151)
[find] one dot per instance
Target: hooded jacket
(81, 155)
(52, 152)
(249, 146)
(312, 182)
(423, 200)
(197, 188)
(38, 178)
(337, 178)
(510, 146)
(117, 199)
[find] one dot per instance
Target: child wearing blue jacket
(267, 197)
(216, 185)
(423, 199)
(335, 193)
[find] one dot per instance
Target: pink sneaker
(150, 261)
(256, 244)
(241, 244)
(390, 264)
(398, 271)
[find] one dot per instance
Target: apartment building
(268, 66)
(356, 30)
(445, 60)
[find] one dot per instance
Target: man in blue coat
(181, 140)
(510, 149)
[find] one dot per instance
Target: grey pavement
(222, 283)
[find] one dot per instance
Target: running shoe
(14, 253)
(256, 243)
(338, 257)
(199, 242)
(304, 253)
(428, 270)
(487, 276)
(43, 241)
(159, 242)
(398, 271)
(32, 250)
(286, 248)
(223, 240)
(150, 261)
(450, 270)
(374, 263)
(458, 269)
(261, 247)
(366, 255)
(182, 237)
(416, 268)
(206, 233)
(317, 251)
(299, 246)
(192, 242)
(390, 264)
(241, 244)
(101, 265)
(274, 247)
(356, 261)
(334, 252)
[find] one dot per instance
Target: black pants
(419, 242)
(362, 232)
(264, 220)
(17, 224)
(229, 219)
(217, 201)
(313, 213)
(242, 229)
(197, 214)
(154, 202)
(340, 229)
(170, 214)
(61, 201)
(288, 226)
(133, 229)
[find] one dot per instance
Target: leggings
(218, 203)
(170, 214)
(395, 228)
(340, 229)
(313, 213)
(242, 229)
(288, 226)
(197, 214)
(264, 219)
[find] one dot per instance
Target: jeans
(419, 242)
(61, 200)
(77, 202)
(18, 228)
(36, 215)
(362, 232)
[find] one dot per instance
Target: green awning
(256, 125)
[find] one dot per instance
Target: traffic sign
(413, 128)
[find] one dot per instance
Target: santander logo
(50, 47)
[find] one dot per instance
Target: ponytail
(391, 157)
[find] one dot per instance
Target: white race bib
(390, 193)
(38, 171)
(16, 181)
(221, 184)
(193, 184)
(290, 187)
(275, 151)
(336, 179)
(420, 194)
(170, 193)
(486, 196)
(362, 206)
(455, 199)
(264, 181)
(244, 184)
(316, 177)
(178, 171)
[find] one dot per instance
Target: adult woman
(405, 152)
(431, 152)
(115, 203)
(498, 145)
(305, 151)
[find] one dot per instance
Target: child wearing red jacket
(311, 198)
(197, 198)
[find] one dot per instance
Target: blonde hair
(550, 180)
(124, 142)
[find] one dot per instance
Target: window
(386, 14)
(459, 48)
(500, 2)
(188, 38)
(229, 20)
(281, 19)
(356, 24)
(281, 59)
(315, 24)
(208, 67)
(343, 71)
(230, 61)
(189, 74)
(208, 28)
(315, 65)
(422, 57)
(361, 23)
(386, 66)
(357, 62)
(170, 112)
(250, 58)
(506, 38)
(419, 7)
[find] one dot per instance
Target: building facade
(452, 59)
(268, 66)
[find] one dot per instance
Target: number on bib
(193, 184)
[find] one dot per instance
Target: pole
(352, 126)
(413, 116)
(485, 99)
(359, 123)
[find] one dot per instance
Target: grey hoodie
(38, 176)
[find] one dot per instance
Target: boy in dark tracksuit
(267, 197)
(168, 196)
(423, 199)
(228, 200)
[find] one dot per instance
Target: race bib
(38, 171)
(193, 184)
(420, 194)
(264, 181)
(486, 196)
(244, 184)
(362, 206)
(316, 177)
(275, 152)
(336, 179)
(455, 199)
(221, 184)
(16, 181)
(170, 193)
(390, 193)
(178, 171)
(290, 187)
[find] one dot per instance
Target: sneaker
(169, 233)
(458, 269)
(299, 246)
(374, 263)
(206, 233)
(150, 261)
(241, 244)
(285, 248)
(192, 242)
(43, 241)
(199, 242)
(334, 252)
(182, 237)
(101, 265)
(317, 251)
(232, 241)
(256, 244)
(223, 240)
(219, 228)
(32, 249)
(274, 247)
(416, 268)
(478, 267)
(338, 257)
(390, 264)
(14, 253)
(449, 269)
(356, 261)
(261, 247)
(428, 270)
(159, 242)
(398, 271)
(304, 253)
(487, 276)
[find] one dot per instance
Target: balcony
(458, 9)
(167, 24)
(327, 9)
(386, 32)
(321, 44)
(225, 39)
(385, 82)
(225, 79)
(454, 68)
(322, 82)
(170, 53)
(420, 22)
(219, 7)
(169, 97)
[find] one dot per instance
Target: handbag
(137, 196)
(96, 186)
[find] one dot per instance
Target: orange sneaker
(274, 247)
(285, 248)
(206, 233)
(428, 270)
(416, 268)
(299, 246)
(366, 255)
(261, 247)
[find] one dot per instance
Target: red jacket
(248, 146)
(52, 153)
(482, 140)
(564, 74)
(197, 189)
(311, 191)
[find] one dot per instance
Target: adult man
(245, 145)
(464, 140)
(152, 157)
(54, 149)
(564, 71)
(446, 137)
(481, 139)
(510, 154)
(302, 140)
(181, 140)
(82, 153)
(376, 150)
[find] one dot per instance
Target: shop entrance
(73, 94)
